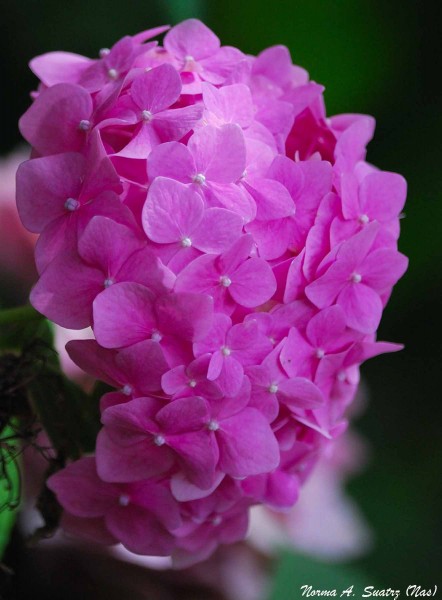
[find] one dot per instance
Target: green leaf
(294, 571)
(9, 491)
(69, 416)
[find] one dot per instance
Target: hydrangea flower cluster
(233, 252)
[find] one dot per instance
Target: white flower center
(156, 336)
(104, 52)
(186, 242)
(217, 520)
(225, 280)
(212, 425)
(320, 353)
(363, 219)
(199, 178)
(112, 73)
(273, 388)
(192, 383)
(84, 125)
(341, 376)
(127, 389)
(108, 282)
(71, 204)
(189, 58)
(124, 500)
(356, 278)
(146, 115)
(225, 351)
(159, 440)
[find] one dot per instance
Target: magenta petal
(138, 531)
(183, 415)
(191, 38)
(143, 364)
(123, 315)
(382, 195)
(123, 464)
(171, 160)
(382, 268)
(44, 185)
(230, 377)
(323, 291)
(64, 279)
(106, 244)
(300, 393)
(184, 315)
(219, 153)
(247, 445)
(197, 454)
(59, 67)
(184, 491)
(157, 89)
(52, 124)
(362, 307)
(172, 211)
(325, 328)
(253, 283)
(95, 360)
(175, 123)
(217, 231)
(79, 489)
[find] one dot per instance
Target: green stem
(19, 314)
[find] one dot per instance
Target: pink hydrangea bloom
(233, 252)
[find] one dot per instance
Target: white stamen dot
(108, 282)
(192, 383)
(225, 281)
(127, 389)
(225, 351)
(84, 125)
(159, 440)
(244, 174)
(104, 52)
(199, 178)
(124, 500)
(71, 204)
(363, 219)
(146, 115)
(189, 58)
(186, 242)
(320, 353)
(272, 340)
(217, 520)
(156, 336)
(341, 376)
(273, 388)
(212, 425)
(113, 73)
(356, 278)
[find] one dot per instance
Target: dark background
(378, 57)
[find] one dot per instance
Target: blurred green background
(376, 57)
